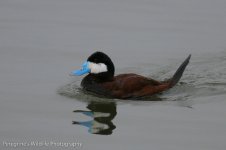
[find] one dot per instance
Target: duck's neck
(103, 77)
(98, 78)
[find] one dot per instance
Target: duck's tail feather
(178, 74)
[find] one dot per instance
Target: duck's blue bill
(85, 69)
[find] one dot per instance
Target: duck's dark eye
(95, 60)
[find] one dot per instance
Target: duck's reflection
(102, 115)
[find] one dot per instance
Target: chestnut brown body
(127, 86)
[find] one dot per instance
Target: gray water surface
(41, 42)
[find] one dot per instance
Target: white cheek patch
(97, 68)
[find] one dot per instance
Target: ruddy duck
(101, 80)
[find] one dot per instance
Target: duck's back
(130, 82)
(127, 86)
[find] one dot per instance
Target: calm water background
(42, 41)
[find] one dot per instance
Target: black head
(102, 58)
